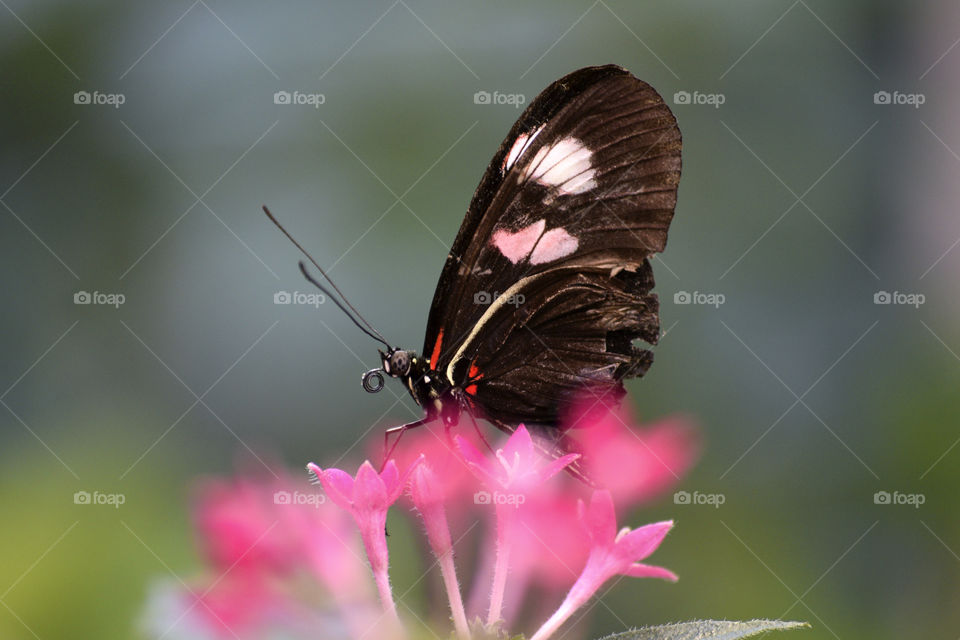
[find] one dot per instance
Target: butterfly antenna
(368, 329)
(313, 281)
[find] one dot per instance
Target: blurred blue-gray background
(821, 179)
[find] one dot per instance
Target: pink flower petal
(457, 480)
(234, 522)
(516, 467)
(425, 488)
(477, 462)
(369, 489)
(520, 443)
(401, 482)
(550, 541)
(600, 520)
(556, 466)
(640, 543)
(338, 485)
(427, 492)
(390, 476)
(638, 570)
(635, 463)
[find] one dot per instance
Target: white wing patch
(521, 144)
(567, 166)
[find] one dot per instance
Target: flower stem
(555, 622)
(449, 572)
(386, 594)
(579, 594)
(482, 575)
(375, 543)
(506, 515)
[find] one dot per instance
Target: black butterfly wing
(547, 284)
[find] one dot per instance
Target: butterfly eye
(399, 363)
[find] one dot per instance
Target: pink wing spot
(517, 245)
(554, 244)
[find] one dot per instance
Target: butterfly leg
(468, 409)
(399, 430)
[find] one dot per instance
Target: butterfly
(548, 284)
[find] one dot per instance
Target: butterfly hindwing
(575, 329)
(548, 282)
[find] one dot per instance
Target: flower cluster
(287, 561)
(279, 560)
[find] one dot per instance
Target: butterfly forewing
(548, 282)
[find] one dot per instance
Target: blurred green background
(801, 199)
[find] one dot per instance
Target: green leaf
(707, 630)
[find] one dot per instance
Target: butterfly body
(433, 392)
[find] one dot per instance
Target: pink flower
(236, 525)
(615, 552)
(551, 546)
(260, 537)
(458, 482)
(236, 605)
(515, 467)
(428, 493)
(367, 498)
(634, 464)
(240, 609)
(253, 526)
(329, 549)
(270, 544)
(611, 553)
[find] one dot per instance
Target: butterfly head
(397, 362)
